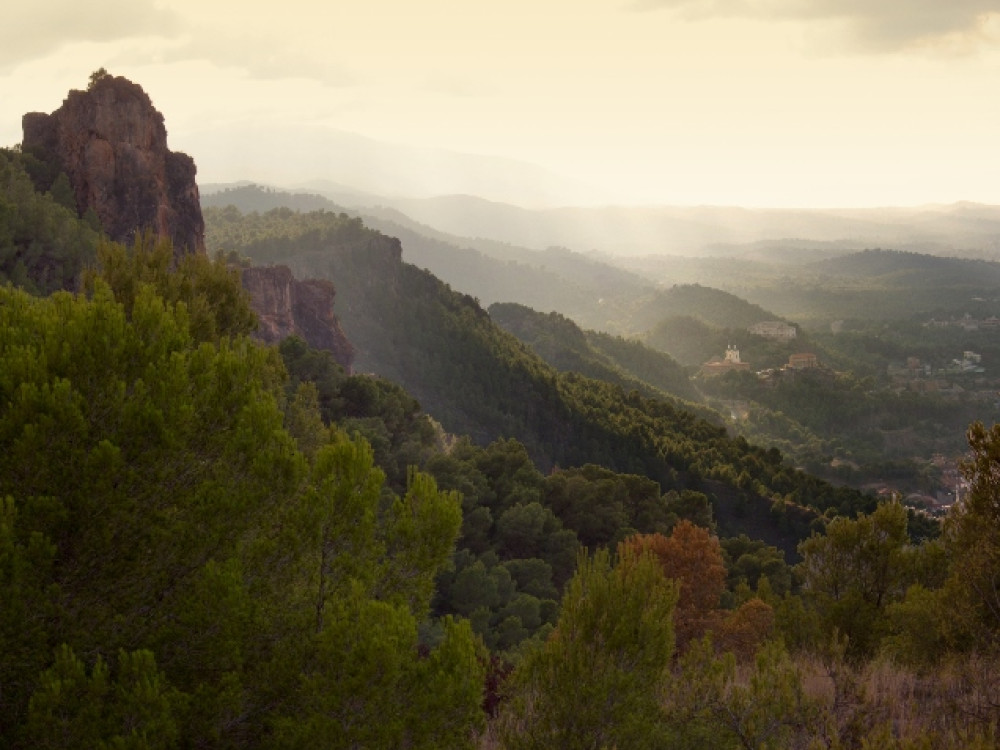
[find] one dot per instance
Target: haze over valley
(500, 377)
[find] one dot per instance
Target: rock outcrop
(112, 144)
(286, 306)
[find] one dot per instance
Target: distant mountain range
(593, 292)
(965, 229)
(366, 167)
(809, 281)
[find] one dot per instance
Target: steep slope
(286, 306)
(592, 292)
(477, 380)
(561, 343)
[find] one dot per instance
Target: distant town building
(720, 366)
(774, 329)
(966, 322)
(802, 361)
(970, 362)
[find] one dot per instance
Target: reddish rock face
(112, 144)
(286, 306)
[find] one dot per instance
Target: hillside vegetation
(209, 542)
(44, 246)
(479, 381)
(560, 342)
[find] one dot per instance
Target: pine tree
(598, 680)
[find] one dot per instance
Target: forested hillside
(845, 423)
(479, 381)
(43, 244)
(195, 553)
(185, 554)
(630, 364)
(469, 541)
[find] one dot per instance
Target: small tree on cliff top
(97, 75)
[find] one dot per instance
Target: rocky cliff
(286, 306)
(112, 144)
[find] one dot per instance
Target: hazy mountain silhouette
(364, 165)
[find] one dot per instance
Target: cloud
(152, 34)
(870, 25)
(257, 56)
(460, 87)
(35, 29)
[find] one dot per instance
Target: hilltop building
(774, 329)
(720, 366)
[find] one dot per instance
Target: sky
(757, 103)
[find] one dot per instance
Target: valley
(886, 410)
(282, 472)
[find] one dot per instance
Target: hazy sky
(736, 102)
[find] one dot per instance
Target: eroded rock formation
(112, 144)
(286, 306)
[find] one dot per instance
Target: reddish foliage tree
(693, 556)
(743, 630)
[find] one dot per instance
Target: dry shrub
(957, 706)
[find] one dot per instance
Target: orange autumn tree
(693, 557)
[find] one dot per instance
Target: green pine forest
(206, 542)
(854, 420)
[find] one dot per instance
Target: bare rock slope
(286, 306)
(112, 144)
